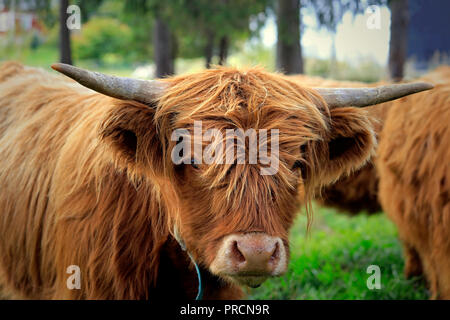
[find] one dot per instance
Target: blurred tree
(104, 39)
(163, 43)
(43, 8)
(428, 36)
(65, 52)
(329, 14)
(50, 12)
(216, 24)
(289, 57)
(156, 16)
(223, 49)
(195, 28)
(398, 42)
(107, 19)
(209, 47)
(89, 8)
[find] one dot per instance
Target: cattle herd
(87, 177)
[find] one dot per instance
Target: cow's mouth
(250, 281)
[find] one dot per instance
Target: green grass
(41, 57)
(331, 262)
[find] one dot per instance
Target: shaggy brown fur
(414, 169)
(355, 193)
(87, 180)
(359, 191)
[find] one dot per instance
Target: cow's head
(233, 212)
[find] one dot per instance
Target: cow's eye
(301, 167)
(298, 165)
(193, 164)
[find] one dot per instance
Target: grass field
(331, 262)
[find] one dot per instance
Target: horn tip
(427, 85)
(60, 67)
(56, 66)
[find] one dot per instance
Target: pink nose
(250, 258)
(255, 254)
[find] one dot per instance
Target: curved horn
(363, 97)
(146, 91)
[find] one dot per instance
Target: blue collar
(199, 277)
(197, 269)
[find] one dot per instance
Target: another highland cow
(414, 168)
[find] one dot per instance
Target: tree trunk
(65, 52)
(223, 50)
(289, 51)
(164, 49)
(333, 57)
(399, 38)
(209, 49)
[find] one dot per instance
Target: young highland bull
(88, 180)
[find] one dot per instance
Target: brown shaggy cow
(88, 180)
(414, 167)
(359, 190)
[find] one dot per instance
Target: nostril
(237, 254)
(276, 253)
